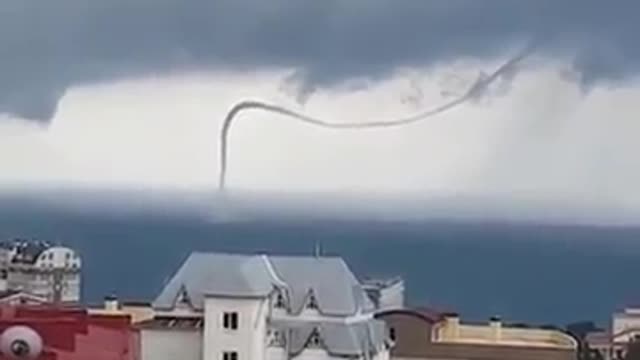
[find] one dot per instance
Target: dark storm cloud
(47, 46)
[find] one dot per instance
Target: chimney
(451, 326)
(111, 303)
(496, 328)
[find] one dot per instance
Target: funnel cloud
(475, 91)
(46, 48)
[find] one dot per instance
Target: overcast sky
(48, 47)
(131, 93)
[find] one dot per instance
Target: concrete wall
(392, 297)
(413, 340)
(386, 295)
(249, 340)
(163, 344)
(625, 321)
(56, 264)
(497, 333)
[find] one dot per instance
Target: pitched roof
(334, 286)
(329, 279)
(338, 338)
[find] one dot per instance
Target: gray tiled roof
(334, 286)
(337, 338)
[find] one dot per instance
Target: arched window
(312, 303)
(280, 303)
(183, 297)
(314, 339)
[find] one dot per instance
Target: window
(280, 301)
(312, 303)
(314, 340)
(276, 338)
(392, 334)
(183, 297)
(230, 355)
(230, 320)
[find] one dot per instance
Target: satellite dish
(20, 342)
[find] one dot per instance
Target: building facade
(429, 335)
(258, 307)
(612, 343)
(49, 272)
(385, 293)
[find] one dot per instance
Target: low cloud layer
(544, 138)
(48, 47)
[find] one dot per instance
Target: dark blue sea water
(522, 272)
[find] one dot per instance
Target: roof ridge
(272, 271)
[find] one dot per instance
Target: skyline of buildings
(231, 306)
(38, 271)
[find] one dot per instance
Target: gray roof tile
(334, 286)
(337, 338)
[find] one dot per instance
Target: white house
(258, 307)
(40, 269)
(625, 327)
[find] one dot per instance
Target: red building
(49, 333)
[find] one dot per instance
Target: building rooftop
(26, 251)
(328, 279)
(339, 339)
(500, 334)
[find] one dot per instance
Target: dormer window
(314, 340)
(312, 303)
(280, 304)
(276, 338)
(183, 297)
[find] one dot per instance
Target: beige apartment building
(423, 334)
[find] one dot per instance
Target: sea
(522, 271)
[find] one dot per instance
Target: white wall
(59, 257)
(382, 355)
(56, 258)
(625, 321)
(275, 353)
(249, 340)
(170, 344)
(392, 297)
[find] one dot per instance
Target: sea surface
(523, 272)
